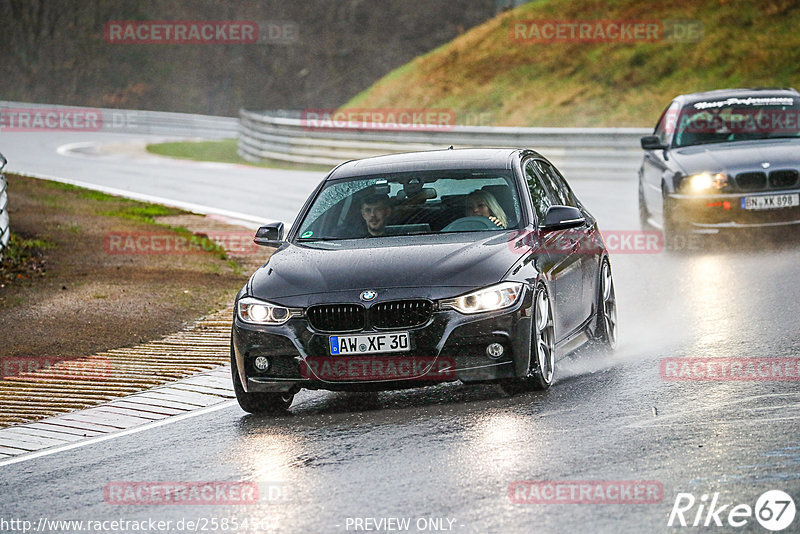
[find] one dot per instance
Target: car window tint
(731, 119)
(666, 123)
(536, 185)
(420, 202)
(336, 199)
(561, 192)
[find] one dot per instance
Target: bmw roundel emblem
(765, 165)
(368, 295)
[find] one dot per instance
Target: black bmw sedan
(723, 161)
(411, 269)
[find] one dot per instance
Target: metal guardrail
(120, 121)
(578, 152)
(5, 229)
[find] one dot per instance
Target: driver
(376, 210)
(482, 203)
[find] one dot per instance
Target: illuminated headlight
(705, 181)
(254, 311)
(491, 298)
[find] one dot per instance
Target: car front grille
(337, 317)
(400, 314)
(382, 316)
(759, 181)
(783, 179)
(751, 181)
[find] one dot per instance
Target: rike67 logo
(774, 510)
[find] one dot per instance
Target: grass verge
(66, 292)
(224, 151)
(486, 72)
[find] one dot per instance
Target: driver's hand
(496, 221)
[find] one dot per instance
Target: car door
(564, 268)
(653, 163)
(586, 240)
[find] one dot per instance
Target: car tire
(541, 368)
(606, 325)
(258, 402)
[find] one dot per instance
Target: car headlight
(491, 298)
(705, 181)
(254, 311)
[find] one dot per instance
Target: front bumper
(712, 213)
(450, 346)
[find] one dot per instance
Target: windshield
(737, 119)
(413, 203)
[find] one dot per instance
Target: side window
(536, 185)
(666, 123)
(562, 194)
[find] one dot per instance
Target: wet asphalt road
(450, 452)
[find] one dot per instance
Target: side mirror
(270, 235)
(561, 218)
(652, 142)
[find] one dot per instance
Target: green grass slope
(486, 77)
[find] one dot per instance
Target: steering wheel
(473, 222)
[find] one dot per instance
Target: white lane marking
(188, 206)
(122, 433)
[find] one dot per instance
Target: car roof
(447, 159)
(722, 94)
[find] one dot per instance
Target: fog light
(261, 363)
(495, 350)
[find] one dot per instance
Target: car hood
(449, 260)
(739, 156)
